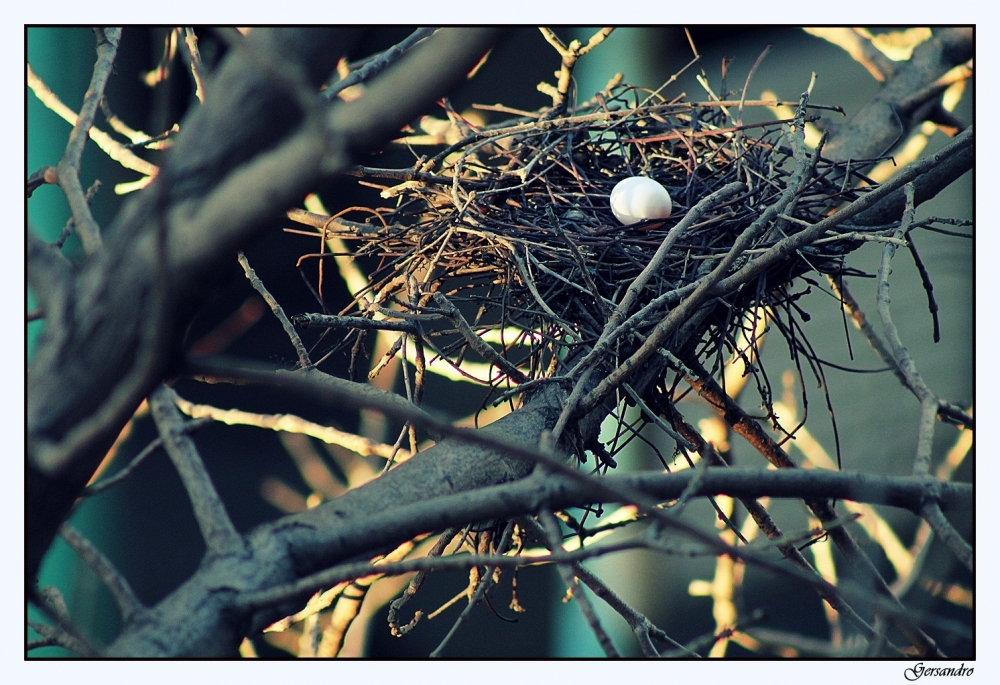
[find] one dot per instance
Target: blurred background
(145, 525)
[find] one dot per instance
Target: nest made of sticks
(507, 231)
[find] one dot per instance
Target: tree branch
(245, 155)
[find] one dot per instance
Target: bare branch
(860, 47)
(475, 342)
(216, 528)
(116, 583)
(289, 423)
(570, 54)
(554, 542)
(962, 549)
(887, 119)
(197, 68)
(69, 165)
(279, 313)
(56, 637)
(241, 158)
(377, 64)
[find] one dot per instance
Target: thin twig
(197, 68)
(770, 529)
(289, 423)
(925, 279)
(125, 472)
(550, 526)
(279, 313)
(484, 584)
(821, 507)
(116, 583)
(411, 589)
(50, 601)
(356, 322)
(641, 626)
(905, 363)
(377, 64)
(570, 54)
(71, 222)
(69, 165)
(106, 143)
(475, 342)
(216, 528)
(57, 637)
(936, 519)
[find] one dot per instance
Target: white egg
(638, 198)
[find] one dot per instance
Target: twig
(108, 145)
(937, 521)
(216, 528)
(582, 264)
(642, 627)
(71, 222)
(377, 64)
(679, 315)
(859, 46)
(349, 604)
(570, 54)
(356, 322)
(615, 326)
(293, 335)
(116, 583)
(767, 525)
(475, 342)
(411, 589)
(682, 442)
(99, 487)
(851, 306)
(336, 391)
(745, 426)
(57, 637)
(905, 363)
(51, 602)
(39, 177)
(639, 284)
(191, 43)
(69, 165)
(785, 247)
(898, 352)
(288, 423)
(714, 285)
(484, 584)
(925, 279)
(550, 527)
(712, 638)
(533, 493)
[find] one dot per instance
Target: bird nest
(507, 231)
